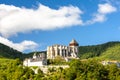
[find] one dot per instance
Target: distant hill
(109, 50)
(7, 52)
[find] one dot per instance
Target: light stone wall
(37, 63)
(63, 51)
(37, 60)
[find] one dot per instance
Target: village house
(36, 60)
(111, 62)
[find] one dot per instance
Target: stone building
(111, 62)
(36, 60)
(70, 51)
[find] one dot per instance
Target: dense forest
(78, 70)
(110, 50)
(8, 52)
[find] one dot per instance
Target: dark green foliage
(112, 53)
(86, 52)
(114, 72)
(7, 52)
(57, 61)
(78, 70)
(13, 70)
(85, 70)
(91, 70)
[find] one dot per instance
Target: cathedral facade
(70, 51)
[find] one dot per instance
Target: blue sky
(32, 25)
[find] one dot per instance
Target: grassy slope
(112, 53)
(110, 50)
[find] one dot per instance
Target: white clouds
(103, 10)
(106, 8)
(15, 20)
(25, 45)
(114, 2)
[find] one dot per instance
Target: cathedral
(66, 52)
(63, 51)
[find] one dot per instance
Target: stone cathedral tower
(74, 48)
(70, 51)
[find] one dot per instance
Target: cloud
(15, 20)
(25, 45)
(103, 10)
(115, 2)
(106, 8)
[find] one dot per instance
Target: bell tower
(74, 46)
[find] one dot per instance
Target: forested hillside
(112, 53)
(107, 49)
(7, 52)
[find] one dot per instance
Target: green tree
(114, 72)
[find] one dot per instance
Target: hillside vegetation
(10, 53)
(85, 70)
(112, 53)
(7, 52)
(110, 50)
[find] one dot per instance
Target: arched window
(59, 52)
(65, 53)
